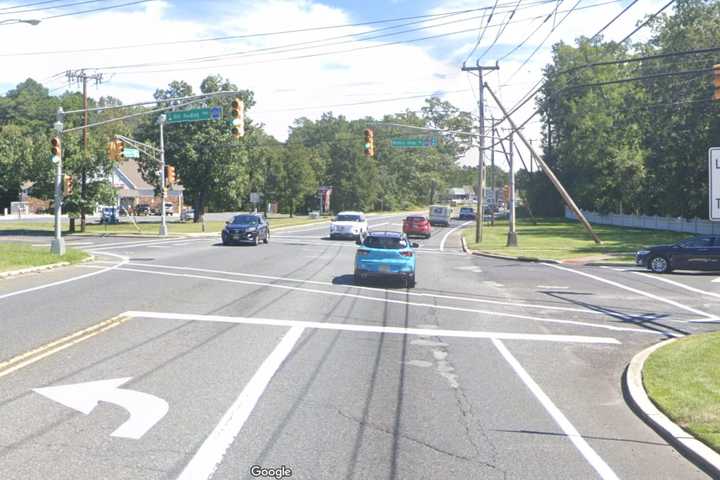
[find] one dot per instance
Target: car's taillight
(363, 252)
(406, 253)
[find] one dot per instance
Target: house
(133, 190)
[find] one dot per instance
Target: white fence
(654, 222)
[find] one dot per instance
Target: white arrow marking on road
(145, 410)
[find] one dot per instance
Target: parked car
(385, 255)
(142, 209)
(349, 225)
(696, 253)
(187, 214)
(466, 213)
(417, 225)
(246, 228)
(109, 215)
(440, 215)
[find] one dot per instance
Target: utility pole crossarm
(551, 176)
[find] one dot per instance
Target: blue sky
(368, 77)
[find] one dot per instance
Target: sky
(303, 57)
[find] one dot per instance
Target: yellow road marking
(28, 358)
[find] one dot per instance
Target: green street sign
(131, 153)
(420, 142)
(194, 115)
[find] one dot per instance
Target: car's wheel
(256, 240)
(357, 279)
(410, 281)
(267, 238)
(659, 264)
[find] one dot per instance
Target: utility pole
(492, 171)
(549, 173)
(81, 76)
(163, 225)
(512, 234)
(57, 246)
(481, 148)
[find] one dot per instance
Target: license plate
(236, 237)
(384, 268)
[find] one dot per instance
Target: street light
(19, 20)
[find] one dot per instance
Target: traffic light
(169, 175)
(56, 149)
(238, 118)
(716, 82)
(369, 143)
(120, 148)
(67, 185)
(112, 150)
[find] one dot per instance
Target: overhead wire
(481, 34)
(500, 31)
(614, 18)
(66, 5)
(649, 19)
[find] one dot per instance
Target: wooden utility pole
(481, 149)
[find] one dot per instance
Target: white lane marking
(211, 453)
(40, 245)
(159, 246)
(552, 287)
(375, 328)
(444, 239)
(602, 468)
(133, 244)
(123, 261)
(72, 244)
(371, 289)
(145, 410)
(634, 290)
(471, 268)
(402, 302)
(678, 284)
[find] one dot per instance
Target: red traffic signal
(369, 143)
(237, 112)
(716, 82)
(55, 147)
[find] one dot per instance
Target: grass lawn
(14, 256)
(683, 379)
(561, 239)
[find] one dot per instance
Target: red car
(417, 225)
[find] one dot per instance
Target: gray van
(440, 215)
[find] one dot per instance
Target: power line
(31, 4)
(97, 9)
(481, 34)
(650, 18)
(525, 40)
(66, 5)
(500, 32)
(613, 20)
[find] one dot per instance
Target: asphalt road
(229, 357)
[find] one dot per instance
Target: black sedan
(248, 228)
(697, 253)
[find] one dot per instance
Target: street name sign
(421, 142)
(714, 182)
(131, 153)
(195, 115)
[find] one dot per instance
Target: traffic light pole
(57, 246)
(163, 224)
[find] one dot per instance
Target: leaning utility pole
(549, 173)
(512, 234)
(492, 171)
(480, 217)
(81, 76)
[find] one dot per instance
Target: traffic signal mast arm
(149, 150)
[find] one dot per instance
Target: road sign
(195, 115)
(145, 409)
(254, 197)
(131, 153)
(714, 183)
(420, 142)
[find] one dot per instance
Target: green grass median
(560, 239)
(683, 380)
(16, 256)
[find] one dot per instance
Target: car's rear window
(349, 218)
(389, 243)
(415, 219)
(466, 209)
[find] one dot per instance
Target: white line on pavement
(123, 261)
(374, 328)
(444, 239)
(136, 243)
(401, 302)
(552, 287)
(211, 453)
(602, 468)
(634, 290)
(371, 289)
(678, 284)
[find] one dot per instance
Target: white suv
(349, 225)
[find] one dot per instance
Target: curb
(505, 257)
(693, 449)
(40, 268)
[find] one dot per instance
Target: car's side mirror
(359, 241)
(415, 245)
(227, 223)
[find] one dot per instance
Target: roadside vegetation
(683, 380)
(15, 256)
(560, 239)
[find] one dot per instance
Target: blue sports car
(385, 255)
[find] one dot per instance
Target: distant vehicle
(417, 225)
(349, 225)
(142, 209)
(123, 211)
(466, 213)
(246, 228)
(696, 253)
(385, 255)
(109, 215)
(187, 214)
(169, 209)
(440, 215)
